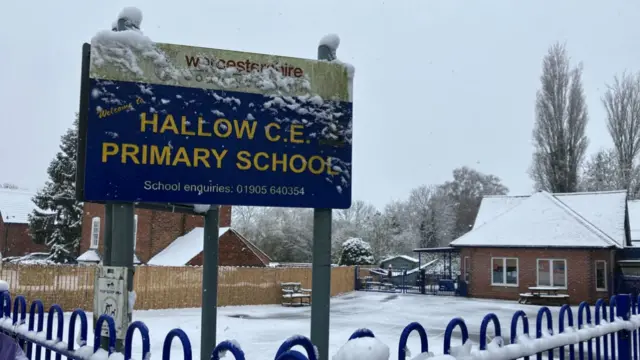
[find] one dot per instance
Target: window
(466, 269)
(95, 232)
(504, 271)
(601, 275)
(135, 232)
(552, 272)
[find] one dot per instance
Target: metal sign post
(321, 264)
(321, 281)
(209, 283)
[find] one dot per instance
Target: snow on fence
(611, 331)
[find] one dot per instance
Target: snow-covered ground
(261, 329)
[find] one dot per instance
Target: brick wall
(580, 267)
(233, 252)
(15, 240)
(156, 229)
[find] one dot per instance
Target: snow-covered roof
(90, 255)
(16, 205)
(604, 210)
(93, 256)
(594, 219)
(408, 258)
(183, 249)
(492, 206)
(634, 219)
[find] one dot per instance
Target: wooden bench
(292, 291)
(543, 295)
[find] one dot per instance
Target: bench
(294, 295)
(369, 285)
(543, 295)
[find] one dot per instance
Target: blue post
(623, 310)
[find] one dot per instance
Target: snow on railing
(613, 332)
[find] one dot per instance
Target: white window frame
(95, 233)
(135, 232)
(504, 266)
(467, 265)
(550, 262)
(606, 285)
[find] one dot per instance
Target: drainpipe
(6, 238)
(613, 270)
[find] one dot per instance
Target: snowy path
(261, 329)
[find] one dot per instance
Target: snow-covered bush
(356, 251)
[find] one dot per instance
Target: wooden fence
(164, 287)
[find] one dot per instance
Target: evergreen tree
(58, 220)
(356, 251)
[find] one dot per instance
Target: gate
(414, 281)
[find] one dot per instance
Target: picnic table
(544, 295)
(383, 286)
(292, 291)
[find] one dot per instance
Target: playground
(260, 329)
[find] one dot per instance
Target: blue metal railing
(611, 331)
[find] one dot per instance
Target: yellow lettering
(183, 125)
(268, 132)
(223, 125)
(144, 153)
(275, 162)
(201, 131)
(181, 157)
(293, 133)
(108, 149)
(129, 151)
(257, 165)
(292, 162)
(243, 156)
(219, 156)
(201, 155)
(330, 170)
(244, 126)
(316, 170)
(144, 122)
(169, 124)
(160, 159)
(139, 100)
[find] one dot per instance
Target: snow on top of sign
(122, 48)
(333, 42)
(132, 14)
(330, 40)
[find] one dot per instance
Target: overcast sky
(439, 84)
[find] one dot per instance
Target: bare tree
(433, 217)
(9, 186)
(601, 172)
(560, 122)
(466, 191)
(622, 103)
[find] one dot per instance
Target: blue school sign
(210, 126)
